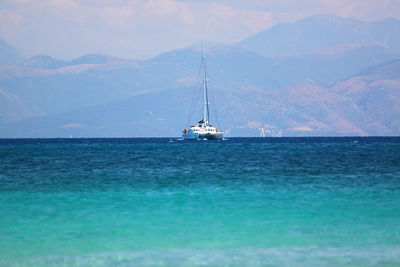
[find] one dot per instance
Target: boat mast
(206, 112)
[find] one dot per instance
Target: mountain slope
(332, 63)
(9, 55)
(376, 93)
(96, 59)
(13, 108)
(360, 105)
(44, 62)
(321, 31)
(55, 86)
(301, 94)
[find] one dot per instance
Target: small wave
(285, 256)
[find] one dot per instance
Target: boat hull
(218, 136)
(207, 136)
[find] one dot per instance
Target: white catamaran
(204, 129)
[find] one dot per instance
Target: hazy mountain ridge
(321, 31)
(349, 107)
(389, 70)
(47, 62)
(229, 68)
(9, 55)
(44, 62)
(13, 108)
(316, 93)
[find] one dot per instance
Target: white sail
(262, 132)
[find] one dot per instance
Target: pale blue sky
(143, 28)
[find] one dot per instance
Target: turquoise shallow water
(165, 202)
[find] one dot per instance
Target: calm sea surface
(166, 202)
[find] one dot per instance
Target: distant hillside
(96, 59)
(388, 70)
(332, 63)
(55, 86)
(341, 77)
(9, 55)
(44, 62)
(376, 93)
(321, 31)
(360, 105)
(12, 108)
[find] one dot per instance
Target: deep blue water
(166, 202)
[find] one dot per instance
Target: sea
(327, 201)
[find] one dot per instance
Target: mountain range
(9, 55)
(283, 80)
(321, 31)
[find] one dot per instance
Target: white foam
(283, 256)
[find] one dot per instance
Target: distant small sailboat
(262, 132)
(204, 129)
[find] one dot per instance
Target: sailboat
(204, 128)
(262, 132)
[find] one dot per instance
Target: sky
(138, 29)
